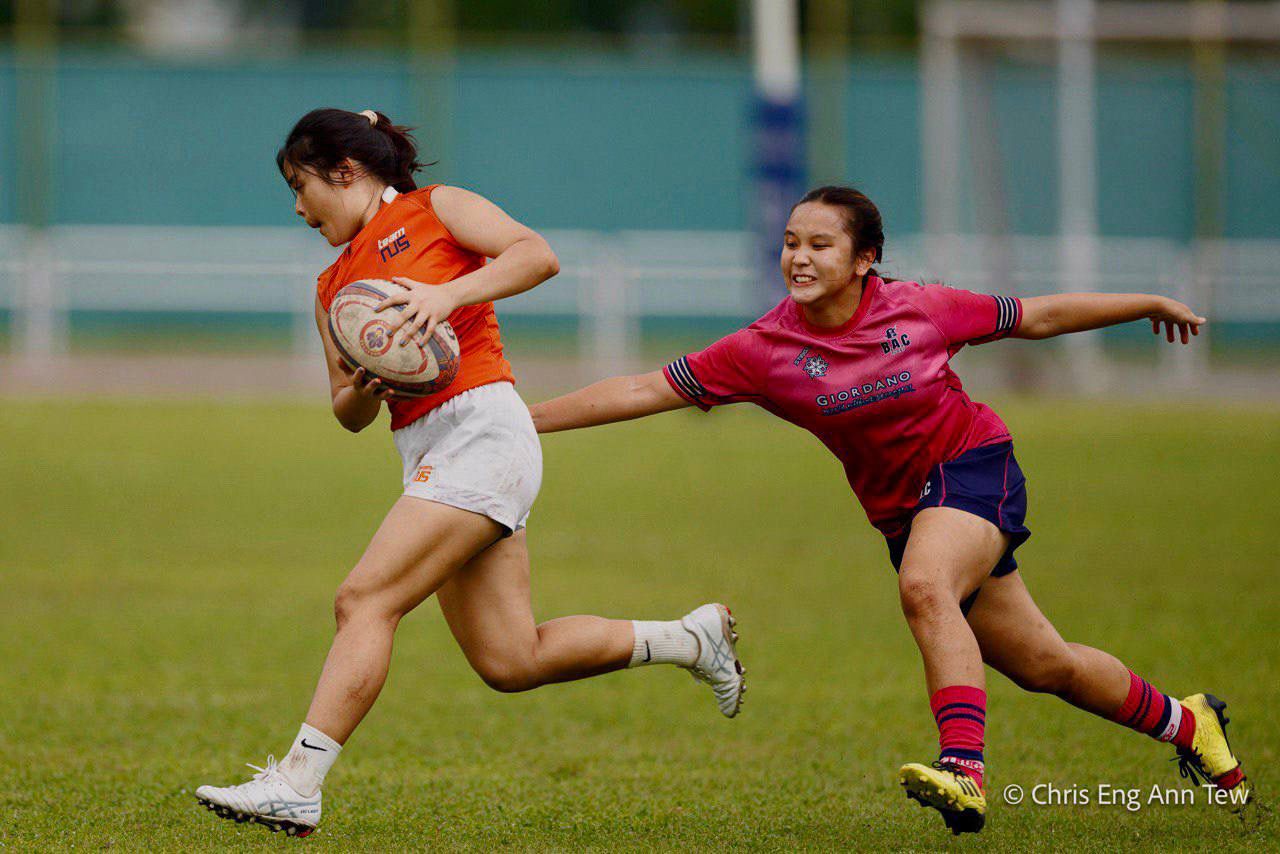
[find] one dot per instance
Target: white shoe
(717, 663)
(267, 799)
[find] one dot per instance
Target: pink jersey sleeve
(720, 374)
(968, 318)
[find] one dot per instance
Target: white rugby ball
(363, 336)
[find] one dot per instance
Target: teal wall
(1253, 150)
(604, 141)
(882, 137)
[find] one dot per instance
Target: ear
(346, 171)
(863, 262)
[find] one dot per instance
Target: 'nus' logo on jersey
(395, 243)
(893, 341)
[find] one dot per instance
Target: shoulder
(753, 343)
(422, 195)
(430, 207)
(753, 340)
(902, 290)
(927, 297)
(420, 199)
(782, 315)
(443, 199)
(450, 207)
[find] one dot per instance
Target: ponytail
(323, 138)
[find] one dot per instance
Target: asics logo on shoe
(721, 657)
(285, 808)
(313, 747)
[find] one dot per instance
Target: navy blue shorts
(986, 482)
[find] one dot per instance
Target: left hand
(1173, 314)
(425, 305)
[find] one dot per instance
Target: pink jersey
(878, 391)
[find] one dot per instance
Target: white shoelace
(264, 773)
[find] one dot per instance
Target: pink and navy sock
(1158, 715)
(961, 713)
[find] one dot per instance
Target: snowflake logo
(815, 366)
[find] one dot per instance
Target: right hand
(1175, 316)
(368, 386)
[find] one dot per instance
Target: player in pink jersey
(861, 362)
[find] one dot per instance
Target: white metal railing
(609, 280)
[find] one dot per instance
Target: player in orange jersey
(472, 463)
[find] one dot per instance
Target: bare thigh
(486, 604)
(951, 549)
(1011, 631)
(1020, 642)
(415, 550)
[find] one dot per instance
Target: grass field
(166, 573)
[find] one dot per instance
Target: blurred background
(177, 504)
(148, 244)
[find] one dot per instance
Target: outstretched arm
(615, 399)
(1057, 314)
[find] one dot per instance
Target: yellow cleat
(1210, 757)
(952, 793)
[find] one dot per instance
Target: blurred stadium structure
(1022, 147)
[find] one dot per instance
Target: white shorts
(477, 451)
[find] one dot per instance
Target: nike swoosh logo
(313, 747)
(648, 656)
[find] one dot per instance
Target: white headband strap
(371, 116)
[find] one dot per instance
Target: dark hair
(323, 138)
(861, 217)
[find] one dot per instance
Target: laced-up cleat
(951, 792)
(267, 799)
(1210, 758)
(717, 663)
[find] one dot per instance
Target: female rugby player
(862, 362)
(471, 459)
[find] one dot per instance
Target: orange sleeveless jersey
(406, 238)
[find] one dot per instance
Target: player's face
(330, 207)
(817, 254)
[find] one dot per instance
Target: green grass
(166, 573)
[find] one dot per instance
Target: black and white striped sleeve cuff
(1008, 315)
(681, 378)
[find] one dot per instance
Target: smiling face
(818, 260)
(339, 209)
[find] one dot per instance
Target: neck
(837, 309)
(372, 207)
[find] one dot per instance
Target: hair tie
(371, 116)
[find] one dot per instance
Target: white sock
(312, 755)
(663, 643)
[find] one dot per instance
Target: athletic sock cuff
(319, 739)
(662, 642)
(959, 700)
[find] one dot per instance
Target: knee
(355, 601)
(507, 675)
(1049, 673)
(923, 598)
(345, 604)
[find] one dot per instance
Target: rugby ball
(363, 336)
